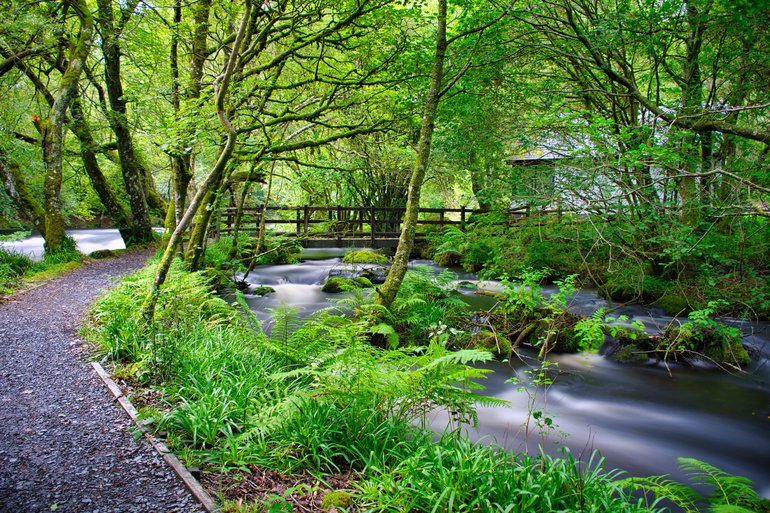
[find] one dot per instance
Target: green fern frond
(285, 322)
(463, 357)
(663, 487)
(727, 489)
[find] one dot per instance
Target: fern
(728, 489)
(285, 322)
(729, 493)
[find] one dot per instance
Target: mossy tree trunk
(200, 229)
(51, 129)
(20, 193)
(107, 196)
(387, 292)
(133, 175)
(182, 158)
(221, 87)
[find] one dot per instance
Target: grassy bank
(17, 269)
(317, 405)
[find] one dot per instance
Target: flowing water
(87, 241)
(640, 416)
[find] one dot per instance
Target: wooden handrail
(350, 222)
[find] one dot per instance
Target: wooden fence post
(307, 218)
(462, 217)
(371, 224)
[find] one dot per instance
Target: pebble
(64, 445)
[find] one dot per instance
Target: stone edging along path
(64, 446)
(181, 471)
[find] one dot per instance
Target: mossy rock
(629, 353)
(336, 499)
(364, 282)
(100, 254)
(337, 284)
(495, 343)
(448, 259)
(563, 338)
(673, 304)
(262, 290)
(364, 256)
(732, 353)
(566, 341)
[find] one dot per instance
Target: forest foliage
(634, 134)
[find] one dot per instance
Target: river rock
(374, 273)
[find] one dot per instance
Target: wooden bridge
(338, 226)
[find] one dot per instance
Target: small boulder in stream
(336, 284)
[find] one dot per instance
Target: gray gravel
(64, 443)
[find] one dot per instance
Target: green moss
(336, 499)
(364, 282)
(495, 343)
(263, 290)
(337, 284)
(364, 256)
(728, 352)
(102, 253)
(629, 353)
(673, 304)
(447, 259)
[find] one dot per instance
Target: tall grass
(15, 268)
(317, 397)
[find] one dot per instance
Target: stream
(640, 416)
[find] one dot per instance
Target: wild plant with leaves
(316, 396)
(726, 493)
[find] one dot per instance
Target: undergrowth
(317, 397)
(17, 268)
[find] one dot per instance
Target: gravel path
(64, 444)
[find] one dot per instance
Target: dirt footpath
(64, 444)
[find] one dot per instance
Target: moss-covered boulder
(336, 499)
(673, 304)
(629, 353)
(100, 254)
(364, 282)
(447, 259)
(337, 284)
(262, 290)
(364, 256)
(497, 344)
(732, 353)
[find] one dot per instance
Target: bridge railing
(360, 224)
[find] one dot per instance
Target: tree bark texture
(133, 174)
(99, 182)
(20, 193)
(52, 129)
(386, 294)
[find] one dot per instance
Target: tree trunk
(107, 196)
(52, 129)
(221, 87)
(133, 176)
(386, 294)
(197, 245)
(20, 193)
